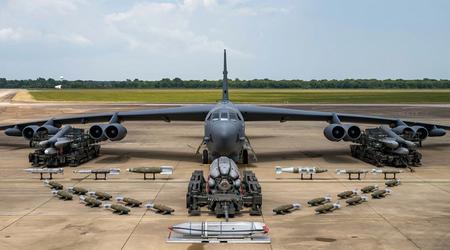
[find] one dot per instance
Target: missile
(78, 190)
(392, 183)
(390, 143)
(347, 194)
(300, 170)
(118, 209)
(284, 209)
(220, 228)
(62, 194)
(387, 171)
(381, 193)
(164, 170)
(369, 189)
(100, 195)
(351, 171)
(44, 170)
(399, 139)
(52, 140)
(326, 208)
(54, 185)
(319, 201)
(160, 208)
(113, 171)
(356, 200)
(129, 201)
(90, 201)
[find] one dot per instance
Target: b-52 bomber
(224, 124)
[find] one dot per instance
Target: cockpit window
(215, 116)
(224, 116)
(233, 116)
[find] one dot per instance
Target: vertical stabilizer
(225, 78)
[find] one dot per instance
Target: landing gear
(244, 156)
(205, 157)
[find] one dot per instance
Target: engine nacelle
(47, 129)
(353, 132)
(335, 132)
(115, 131)
(15, 131)
(97, 132)
(404, 130)
(28, 132)
(420, 132)
(437, 132)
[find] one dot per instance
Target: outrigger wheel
(205, 157)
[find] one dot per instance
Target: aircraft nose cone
(224, 137)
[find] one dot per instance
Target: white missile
(220, 228)
(44, 170)
(300, 170)
(113, 171)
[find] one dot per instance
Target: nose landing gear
(205, 157)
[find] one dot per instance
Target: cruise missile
(381, 193)
(326, 208)
(300, 170)
(42, 171)
(319, 201)
(129, 201)
(90, 201)
(96, 172)
(399, 139)
(387, 172)
(78, 190)
(54, 185)
(347, 194)
(392, 183)
(100, 195)
(160, 208)
(352, 171)
(369, 189)
(284, 209)
(220, 228)
(356, 200)
(390, 142)
(163, 170)
(58, 137)
(118, 209)
(62, 194)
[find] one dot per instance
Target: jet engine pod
(48, 129)
(421, 132)
(97, 132)
(115, 131)
(334, 132)
(15, 131)
(28, 132)
(404, 130)
(353, 132)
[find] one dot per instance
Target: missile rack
(371, 149)
(81, 149)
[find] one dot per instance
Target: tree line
(178, 83)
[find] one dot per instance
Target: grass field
(245, 95)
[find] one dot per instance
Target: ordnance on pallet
(382, 147)
(70, 146)
(42, 171)
(225, 193)
(163, 170)
(300, 170)
(352, 172)
(387, 172)
(97, 172)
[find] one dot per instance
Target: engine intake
(404, 130)
(97, 132)
(420, 132)
(28, 132)
(47, 129)
(115, 131)
(353, 132)
(334, 132)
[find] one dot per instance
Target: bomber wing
(185, 113)
(261, 113)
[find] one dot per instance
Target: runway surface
(415, 216)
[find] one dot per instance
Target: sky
(275, 39)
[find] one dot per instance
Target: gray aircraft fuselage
(224, 131)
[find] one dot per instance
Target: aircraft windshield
(224, 116)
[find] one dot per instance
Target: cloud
(45, 6)
(9, 34)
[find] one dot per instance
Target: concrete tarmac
(415, 216)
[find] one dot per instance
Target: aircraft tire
(205, 157)
(245, 156)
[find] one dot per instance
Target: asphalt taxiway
(415, 216)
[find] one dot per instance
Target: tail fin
(225, 78)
